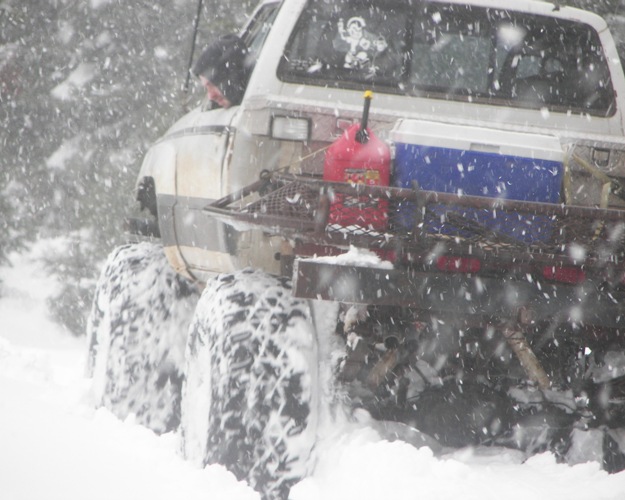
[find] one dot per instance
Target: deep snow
(55, 445)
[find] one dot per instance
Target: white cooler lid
(470, 138)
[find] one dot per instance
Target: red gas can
(359, 157)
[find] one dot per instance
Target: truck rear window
(449, 51)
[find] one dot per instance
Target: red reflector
(454, 264)
(571, 275)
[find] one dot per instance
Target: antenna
(196, 23)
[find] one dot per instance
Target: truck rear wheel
(250, 396)
(137, 334)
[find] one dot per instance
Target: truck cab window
(257, 30)
(451, 51)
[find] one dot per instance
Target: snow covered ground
(55, 445)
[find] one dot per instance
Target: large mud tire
(137, 333)
(250, 400)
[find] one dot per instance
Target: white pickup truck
(471, 285)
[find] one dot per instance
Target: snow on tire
(137, 334)
(250, 396)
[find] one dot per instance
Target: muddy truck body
(441, 182)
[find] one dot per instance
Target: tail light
(291, 128)
(458, 264)
(564, 274)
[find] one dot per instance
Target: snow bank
(55, 446)
(360, 466)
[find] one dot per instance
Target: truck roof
(551, 9)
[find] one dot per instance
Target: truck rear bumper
(460, 295)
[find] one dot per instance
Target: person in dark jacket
(221, 69)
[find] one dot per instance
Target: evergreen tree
(85, 88)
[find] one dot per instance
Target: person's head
(214, 93)
(221, 69)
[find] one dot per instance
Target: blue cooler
(475, 161)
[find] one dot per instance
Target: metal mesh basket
(415, 220)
